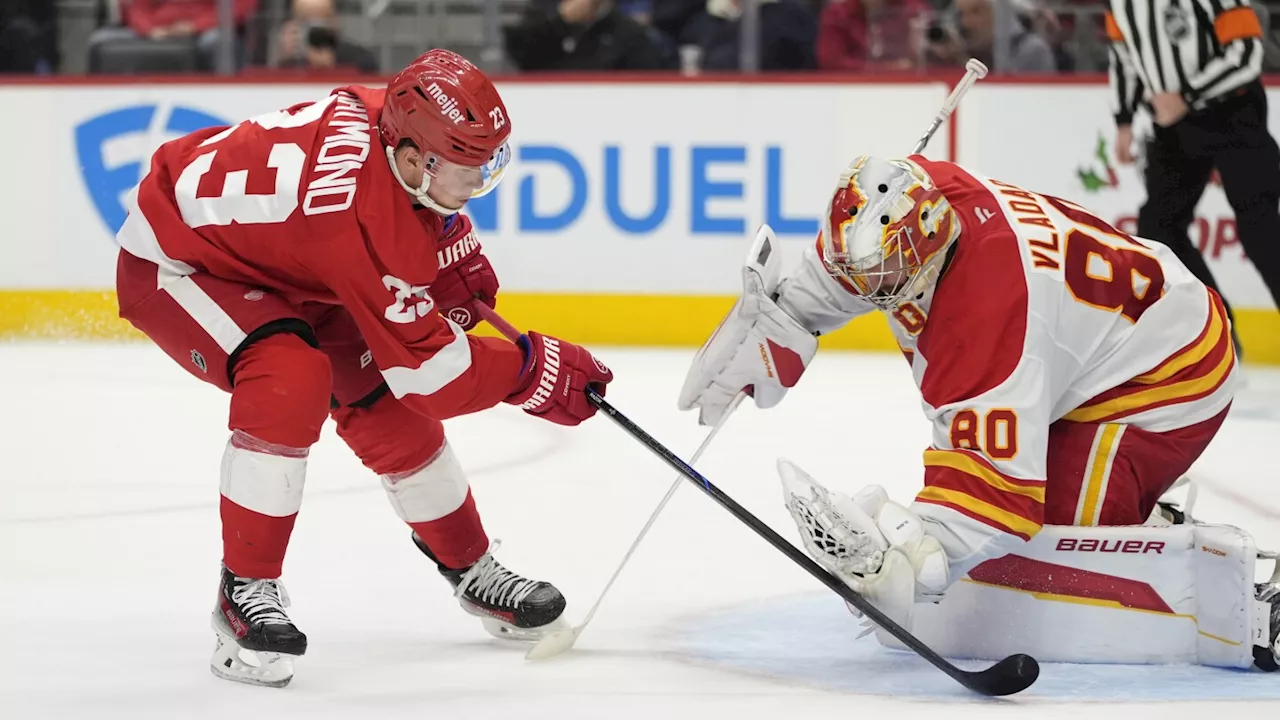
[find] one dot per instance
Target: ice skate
(256, 640)
(510, 606)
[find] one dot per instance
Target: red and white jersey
(303, 202)
(1045, 313)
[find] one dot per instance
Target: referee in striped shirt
(1195, 65)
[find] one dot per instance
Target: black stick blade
(1011, 675)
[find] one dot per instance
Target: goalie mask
(887, 231)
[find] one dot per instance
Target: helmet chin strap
(419, 193)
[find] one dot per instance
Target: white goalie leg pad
(432, 491)
(1229, 616)
(875, 546)
(1133, 595)
(267, 479)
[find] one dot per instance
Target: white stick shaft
(974, 71)
(658, 510)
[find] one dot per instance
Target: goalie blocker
(1133, 595)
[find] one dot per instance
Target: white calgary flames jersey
(1045, 314)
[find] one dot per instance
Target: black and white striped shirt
(1200, 49)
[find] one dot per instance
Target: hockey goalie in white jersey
(1071, 373)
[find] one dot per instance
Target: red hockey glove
(554, 380)
(465, 275)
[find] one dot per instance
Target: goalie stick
(1011, 675)
(974, 71)
(562, 640)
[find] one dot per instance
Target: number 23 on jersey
(257, 183)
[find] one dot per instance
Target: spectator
(788, 31)
(28, 37)
(175, 19)
(580, 35)
(1027, 52)
(642, 11)
(309, 40)
(871, 35)
(1039, 18)
(671, 17)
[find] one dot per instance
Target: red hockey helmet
(450, 110)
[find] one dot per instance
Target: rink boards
(626, 214)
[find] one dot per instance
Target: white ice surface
(109, 549)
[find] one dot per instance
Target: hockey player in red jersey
(1071, 373)
(313, 263)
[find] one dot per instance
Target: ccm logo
(1132, 547)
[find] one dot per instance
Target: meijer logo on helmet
(447, 104)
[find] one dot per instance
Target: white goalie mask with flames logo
(887, 231)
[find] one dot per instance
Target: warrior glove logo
(550, 375)
(457, 250)
(460, 315)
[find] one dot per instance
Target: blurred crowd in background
(881, 37)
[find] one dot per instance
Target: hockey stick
(562, 640)
(974, 71)
(1011, 675)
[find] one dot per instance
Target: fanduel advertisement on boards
(640, 188)
(644, 188)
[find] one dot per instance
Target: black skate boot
(1267, 658)
(510, 606)
(256, 640)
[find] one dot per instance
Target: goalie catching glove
(875, 546)
(758, 347)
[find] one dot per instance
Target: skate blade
(554, 644)
(234, 663)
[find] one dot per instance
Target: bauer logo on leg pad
(1137, 547)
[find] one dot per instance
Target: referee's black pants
(1231, 136)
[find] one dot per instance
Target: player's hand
(555, 378)
(1124, 144)
(1169, 108)
(463, 281)
(758, 348)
